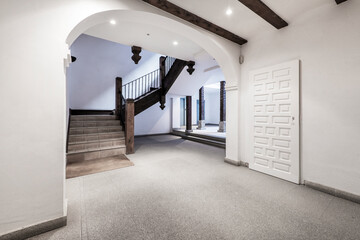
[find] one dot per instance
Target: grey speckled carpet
(183, 190)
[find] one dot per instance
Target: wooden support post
(188, 114)
(118, 92)
(162, 79)
(222, 123)
(201, 123)
(129, 126)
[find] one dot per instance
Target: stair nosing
(99, 140)
(95, 150)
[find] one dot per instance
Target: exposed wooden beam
(196, 20)
(261, 9)
(340, 1)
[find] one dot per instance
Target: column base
(188, 131)
(201, 125)
(222, 126)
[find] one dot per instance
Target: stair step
(94, 137)
(201, 139)
(93, 117)
(96, 154)
(91, 130)
(100, 123)
(98, 141)
(92, 146)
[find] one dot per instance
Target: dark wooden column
(162, 78)
(118, 89)
(222, 123)
(201, 123)
(188, 114)
(129, 126)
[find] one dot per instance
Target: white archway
(225, 52)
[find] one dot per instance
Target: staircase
(153, 87)
(92, 138)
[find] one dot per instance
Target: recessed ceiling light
(113, 22)
(229, 11)
(175, 43)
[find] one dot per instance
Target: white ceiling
(243, 21)
(159, 40)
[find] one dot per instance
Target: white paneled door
(276, 122)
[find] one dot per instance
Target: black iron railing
(141, 85)
(169, 61)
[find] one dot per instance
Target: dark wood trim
(222, 102)
(129, 126)
(188, 114)
(91, 112)
(118, 93)
(201, 104)
(136, 54)
(340, 1)
(190, 65)
(196, 20)
(261, 9)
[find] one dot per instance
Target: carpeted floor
(97, 165)
(180, 189)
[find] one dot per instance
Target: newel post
(118, 92)
(129, 123)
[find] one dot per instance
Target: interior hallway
(180, 189)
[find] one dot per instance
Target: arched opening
(222, 54)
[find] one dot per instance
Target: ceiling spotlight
(228, 11)
(113, 22)
(175, 43)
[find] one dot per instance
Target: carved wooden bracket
(191, 68)
(136, 51)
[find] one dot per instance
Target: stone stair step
(76, 118)
(93, 130)
(96, 154)
(92, 146)
(100, 123)
(94, 137)
(98, 140)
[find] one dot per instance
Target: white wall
(326, 40)
(212, 106)
(175, 112)
(154, 120)
(92, 76)
(32, 169)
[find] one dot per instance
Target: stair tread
(94, 134)
(95, 149)
(99, 140)
(115, 127)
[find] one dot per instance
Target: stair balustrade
(142, 93)
(141, 85)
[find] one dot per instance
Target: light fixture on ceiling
(175, 43)
(112, 22)
(229, 11)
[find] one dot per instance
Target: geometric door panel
(275, 124)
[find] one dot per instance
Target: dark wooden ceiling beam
(265, 12)
(196, 20)
(340, 1)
